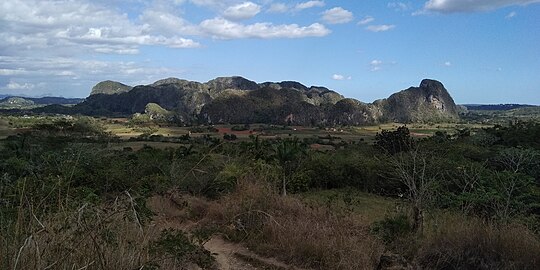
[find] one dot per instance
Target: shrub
(473, 244)
(392, 228)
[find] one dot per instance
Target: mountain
(238, 100)
(15, 102)
(428, 102)
(109, 88)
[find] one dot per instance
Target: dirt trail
(170, 213)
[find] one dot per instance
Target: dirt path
(229, 256)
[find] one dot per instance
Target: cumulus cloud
(337, 15)
(242, 11)
(70, 25)
(380, 28)
(447, 64)
(309, 4)
(452, 6)
(223, 29)
(339, 77)
(161, 20)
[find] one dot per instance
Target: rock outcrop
(430, 102)
(110, 88)
(237, 100)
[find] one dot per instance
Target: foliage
(472, 244)
(286, 228)
(287, 154)
(396, 141)
(392, 228)
(64, 167)
(177, 245)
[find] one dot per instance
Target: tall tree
(412, 170)
(287, 153)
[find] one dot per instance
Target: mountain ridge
(237, 100)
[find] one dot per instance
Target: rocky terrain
(236, 100)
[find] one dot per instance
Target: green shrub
(392, 228)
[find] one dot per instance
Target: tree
(287, 153)
(394, 142)
(411, 169)
(257, 148)
(518, 159)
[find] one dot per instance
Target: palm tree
(287, 153)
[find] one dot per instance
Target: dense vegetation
(466, 200)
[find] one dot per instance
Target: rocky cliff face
(110, 88)
(238, 100)
(428, 102)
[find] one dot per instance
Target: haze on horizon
(483, 51)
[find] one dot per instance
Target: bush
(392, 228)
(472, 244)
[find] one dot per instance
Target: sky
(483, 51)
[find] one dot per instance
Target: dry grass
(473, 244)
(295, 233)
(370, 206)
(91, 237)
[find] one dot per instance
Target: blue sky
(484, 51)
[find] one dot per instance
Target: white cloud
(66, 73)
(366, 20)
(116, 50)
(511, 15)
(19, 86)
(452, 6)
(399, 6)
(380, 28)
(282, 8)
(68, 25)
(447, 64)
(309, 4)
(223, 29)
(339, 77)
(54, 70)
(11, 72)
(242, 11)
(376, 65)
(278, 8)
(162, 21)
(216, 4)
(337, 15)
